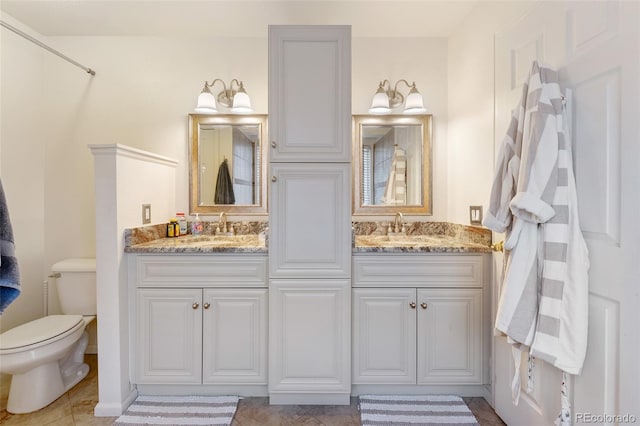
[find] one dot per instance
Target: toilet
(46, 356)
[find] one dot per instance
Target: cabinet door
(310, 93)
(310, 221)
(168, 336)
(384, 335)
(309, 336)
(234, 336)
(449, 336)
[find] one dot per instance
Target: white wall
(471, 105)
(22, 164)
(142, 92)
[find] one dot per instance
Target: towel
(224, 186)
(9, 276)
(396, 190)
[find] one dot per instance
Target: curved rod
(210, 85)
(44, 46)
(410, 86)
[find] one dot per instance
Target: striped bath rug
(424, 410)
(179, 410)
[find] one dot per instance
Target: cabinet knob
(273, 178)
(206, 305)
(273, 144)
(195, 305)
(413, 305)
(423, 305)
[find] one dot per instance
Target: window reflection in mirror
(227, 163)
(392, 164)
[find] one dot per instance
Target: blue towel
(9, 275)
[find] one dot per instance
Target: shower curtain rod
(44, 46)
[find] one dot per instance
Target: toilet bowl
(46, 356)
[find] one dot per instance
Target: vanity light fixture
(234, 98)
(387, 98)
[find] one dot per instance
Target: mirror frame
(358, 121)
(195, 120)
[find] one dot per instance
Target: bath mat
(179, 410)
(423, 410)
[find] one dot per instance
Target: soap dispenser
(196, 226)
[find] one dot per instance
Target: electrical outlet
(475, 215)
(146, 214)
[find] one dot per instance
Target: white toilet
(46, 356)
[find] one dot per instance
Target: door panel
(449, 336)
(169, 332)
(234, 336)
(384, 336)
(594, 45)
(310, 221)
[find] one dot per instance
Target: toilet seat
(39, 332)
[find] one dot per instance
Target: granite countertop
(421, 237)
(369, 237)
(415, 244)
(249, 238)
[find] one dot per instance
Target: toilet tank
(76, 285)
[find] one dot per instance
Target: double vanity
(320, 304)
(419, 306)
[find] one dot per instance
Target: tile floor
(75, 408)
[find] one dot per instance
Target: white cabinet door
(234, 336)
(384, 335)
(449, 336)
(309, 337)
(310, 93)
(310, 221)
(169, 333)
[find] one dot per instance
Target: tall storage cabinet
(310, 214)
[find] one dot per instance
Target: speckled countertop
(249, 238)
(369, 237)
(421, 237)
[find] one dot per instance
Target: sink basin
(398, 241)
(220, 241)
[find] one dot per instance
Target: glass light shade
(206, 102)
(241, 102)
(380, 103)
(414, 103)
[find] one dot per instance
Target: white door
(384, 335)
(234, 336)
(310, 93)
(595, 46)
(310, 220)
(450, 336)
(309, 341)
(169, 335)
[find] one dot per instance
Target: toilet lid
(38, 331)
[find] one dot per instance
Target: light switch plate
(146, 214)
(475, 215)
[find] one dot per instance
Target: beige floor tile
(75, 408)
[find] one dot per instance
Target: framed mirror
(227, 171)
(391, 164)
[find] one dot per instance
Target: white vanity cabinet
(310, 93)
(199, 320)
(418, 320)
(309, 236)
(309, 214)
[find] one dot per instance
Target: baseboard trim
(309, 399)
(113, 409)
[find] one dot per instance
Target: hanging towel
(9, 276)
(224, 185)
(395, 192)
(543, 307)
